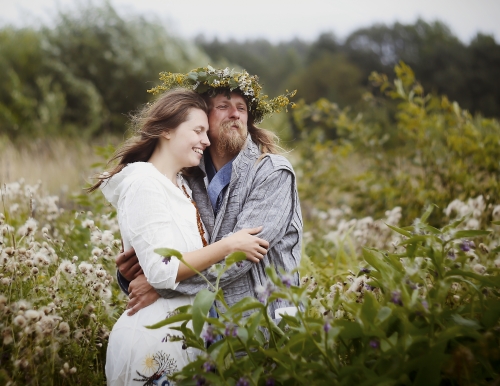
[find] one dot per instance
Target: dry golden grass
(63, 165)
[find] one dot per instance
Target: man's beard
(230, 140)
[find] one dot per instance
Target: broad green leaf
(470, 233)
(384, 313)
(372, 259)
(496, 222)
(234, 258)
(350, 330)
(461, 321)
(369, 308)
(243, 305)
(201, 305)
(243, 334)
(253, 321)
(168, 252)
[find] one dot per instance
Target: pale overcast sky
(278, 20)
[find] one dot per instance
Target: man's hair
(166, 113)
(265, 139)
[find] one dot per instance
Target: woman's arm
(254, 247)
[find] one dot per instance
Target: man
(241, 183)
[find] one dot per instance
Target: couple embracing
(199, 177)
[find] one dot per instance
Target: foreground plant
(56, 305)
(425, 314)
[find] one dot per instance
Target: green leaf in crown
(215, 81)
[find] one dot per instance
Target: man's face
(227, 120)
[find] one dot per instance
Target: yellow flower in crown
(211, 81)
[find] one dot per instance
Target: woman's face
(189, 140)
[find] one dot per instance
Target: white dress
(152, 213)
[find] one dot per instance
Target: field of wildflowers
(380, 303)
(57, 298)
(406, 296)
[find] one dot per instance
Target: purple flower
(425, 304)
(365, 270)
(465, 246)
(374, 343)
(231, 330)
(264, 291)
(287, 280)
(200, 381)
(270, 382)
(369, 287)
(208, 367)
(242, 382)
(396, 298)
(451, 254)
(327, 327)
(208, 335)
(166, 259)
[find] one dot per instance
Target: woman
(155, 210)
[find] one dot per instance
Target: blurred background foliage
(357, 137)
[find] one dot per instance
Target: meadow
(386, 298)
(398, 186)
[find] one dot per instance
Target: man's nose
(234, 113)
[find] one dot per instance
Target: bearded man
(241, 182)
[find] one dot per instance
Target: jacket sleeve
(270, 203)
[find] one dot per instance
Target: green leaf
(399, 230)
(372, 259)
(384, 313)
(369, 308)
(168, 252)
(234, 258)
(461, 321)
(470, 233)
(254, 321)
(243, 305)
(173, 319)
(201, 305)
(427, 213)
(496, 222)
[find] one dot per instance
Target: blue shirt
(218, 181)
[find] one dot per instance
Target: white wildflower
(67, 267)
(32, 315)
(64, 329)
(19, 321)
(479, 268)
(88, 224)
(107, 237)
(97, 252)
(85, 268)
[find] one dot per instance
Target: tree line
(89, 69)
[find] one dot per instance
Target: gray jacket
(261, 192)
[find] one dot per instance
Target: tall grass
(63, 165)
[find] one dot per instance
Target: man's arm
(271, 204)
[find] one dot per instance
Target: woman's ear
(166, 134)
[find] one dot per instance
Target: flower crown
(215, 81)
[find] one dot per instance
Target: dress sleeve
(148, 219)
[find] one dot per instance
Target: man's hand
(141, 294)
(128, 265)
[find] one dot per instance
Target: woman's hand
(254, 247)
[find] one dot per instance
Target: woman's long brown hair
(166, 113)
